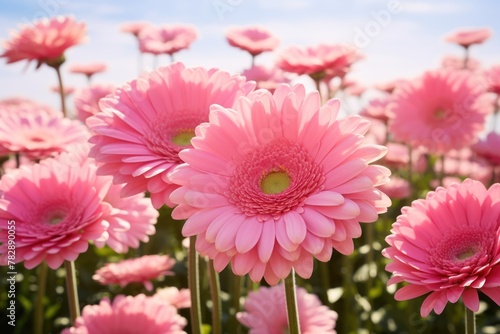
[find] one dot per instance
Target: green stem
(325, 280)
(61, 90)
(194, 287)
(172, 59)
(470, 321)
(442, 172)
(466, 57)
(72, 290)
(291, 304)
(42, 284)
(213, 277)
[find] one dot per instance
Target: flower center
(183, 137)
(466, 253)
(55, 217)
(37, 139)
(440, 114)
(275, 182)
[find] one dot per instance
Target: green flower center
(275, 182)
(183, 138)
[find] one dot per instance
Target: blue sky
(401, 44)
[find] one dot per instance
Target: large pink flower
(44, 40)
(128, 314)
(276, 182)
(448, 245)
(489, 148)
(148, 121)
(254, 39)
(87, 100)
(167, 39)
(441, 111)
(141, 270)
(265, 312)
(39, 135)
(467, 37)
(321, 61)
(57, 209)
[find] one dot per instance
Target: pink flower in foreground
(178, 298)
(44, 40)
(139, 270)
(448, 245)
(167, 39)
(134, 28)
(277, 181)
(88, 69)
(39, 135)
(320, 61)
(378, 109)
(128, 314)
(492, 77)
(254, 39)
(467, 37)
(265, 312)
(266, 77)
(489, 148)
(87, 100)
(56, 208)
(441, 111)
(148, 121)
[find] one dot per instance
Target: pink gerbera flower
(134, 28)
(44, 40)
(139, 270)
(167, 39)
(254, 39)
(489, 148)
(128, 314)
(88, 69)
(467, 37)
(178, 298)
(57, 210)
(441, 111)
(276, 182)
(378, 109)
(397, 188)
(17, 105)
(87, 100)
(147, 122)
(457, 63)
(39, 135)
(265, 312)
(266, 77)
(448, 245)
(389, 86)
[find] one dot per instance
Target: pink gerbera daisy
(87, 100)
(44, 40)
(57, 210)
(179, 298)
(451, 62)
(254, 39)
(266, 77)
(88, 69)
(167, 39)
(39, 135)
(467, 37)
(147, 122)
(265, 312)
(276, 182)
(489, 148)
(17, 105)
(378, 109)
(128, 314)
(441, 111)
(134, 28)
(139, 270)
(448, 245)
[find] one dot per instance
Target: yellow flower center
(275, 182)
(183, 138)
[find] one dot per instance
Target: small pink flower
(254, 39)
(390, 86)
(266, 77)
(128, 314)
(448, 245)
(397, 188)
(68, 90)
(178, 298)
(88, 69)
(462, 163)
(44, 40)
(467, 37)
(441, 111)
(145, 123)
(40, 135)
(276, 181)
(489, 148)
(134, 28)
(492, 77)
(18, 105)
(167, 39)
(457, 63)
(378, 109)
(139, 270)
(56, 208)
(265, 312)
(87, 100)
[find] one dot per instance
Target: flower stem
(42, 283)
(466, 57)
(72, 291)
(61, 90)
(291, 304)
(194, 287)
(213, 277)
(470, 321)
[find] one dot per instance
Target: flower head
(18, 105)
(266, 77)
(128, 314)
(467, 37)
(277, 181)
(492, 77)
(178, 298)
(448, 246)
(88, 69)
(145, 123)
(141, 270)
(134, 28)
(44, 40)
(265, 312)
(167, 39)
(87, 100)
(377, 108)
(254, 40)
(488, 148)
(441, 111)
